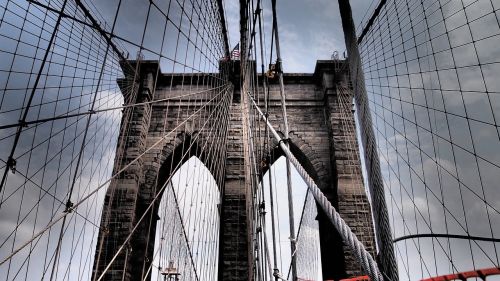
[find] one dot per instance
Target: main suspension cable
(348, 237)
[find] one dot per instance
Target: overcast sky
(310, 30)
(449, 137)
(454, 161)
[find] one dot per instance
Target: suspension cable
(348, 237)
(279, 66)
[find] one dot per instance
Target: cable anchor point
(69, 207)
(11, 164)
(272, 71)
(262, 205)
(285, 141)
(105, 230)
(278, 66)
(23, 124)
(276, 273)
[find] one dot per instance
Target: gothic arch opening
(320, 250)
(179, 235)
(186, 238)
(306, 157)
(306, 226)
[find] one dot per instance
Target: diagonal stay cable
(26, 123)
(77, 204)
(349, 238)
(127, 239)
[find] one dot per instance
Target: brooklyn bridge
(249, 140)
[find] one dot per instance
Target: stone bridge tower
(322, 137)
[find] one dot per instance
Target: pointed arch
(331, 246)
(306, 156)
(175, 153)
(158, 170)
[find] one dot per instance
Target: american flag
(235, 53)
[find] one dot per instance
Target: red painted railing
(481, 273)
(359, 278)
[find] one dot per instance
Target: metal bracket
(69, 207)
(11, 164)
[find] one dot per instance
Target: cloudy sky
(310, 30)
(435, 107)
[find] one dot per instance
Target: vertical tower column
(119, 213)
(234, 263)
(353, 204)
(346, 190)
(386, 259)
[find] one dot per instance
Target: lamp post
(170, 273)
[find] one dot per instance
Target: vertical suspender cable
(266, 106)
(348, 237)
(10, 160)
(285, 122)
(383, 232)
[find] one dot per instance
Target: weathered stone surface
(322, 136)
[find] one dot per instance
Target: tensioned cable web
(431, 71)
(264, 112)
(273, 254)
(114, 124)
(70, 71)
(308, 244)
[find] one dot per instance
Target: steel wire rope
(94, 191)
(81, 150)
(80, 233)
(412, 193)
(145, 213)
(211, 146)
(456, 178)
(438, 164)
(344, 100)
(266, 149)
(445, 208)
(367, 262)
(104, 110)
(23, 117)
(266, 89)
